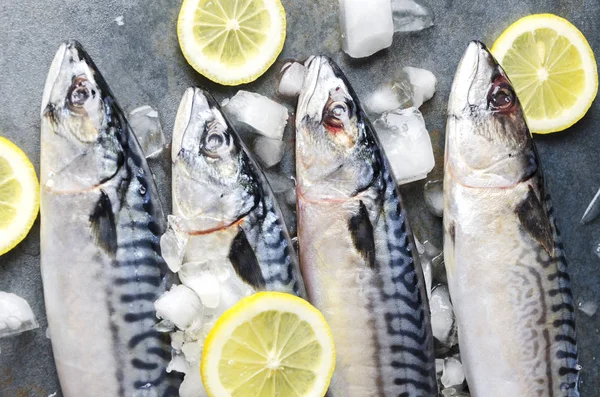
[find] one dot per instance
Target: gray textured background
(143, 65)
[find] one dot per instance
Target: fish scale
(356, 249)
(100, 253)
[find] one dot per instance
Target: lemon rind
(577, 39)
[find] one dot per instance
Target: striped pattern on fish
(356, 248)
(506, 267)
(101, 219)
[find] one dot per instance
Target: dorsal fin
(361, 230)
(103, 224)
(535, 221)
(244, 261)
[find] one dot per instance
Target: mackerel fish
(100, 226)
(356, 249)
(224, 204)
(506, 267)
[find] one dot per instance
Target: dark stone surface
(143, 65)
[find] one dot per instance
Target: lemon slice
(231, 41)
(269, 344)
(19, 195)
(552, 68)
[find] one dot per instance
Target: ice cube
(16, 315)
(410, 16)
(589, 307)
(177, 340)
(406, 143)
(428, 275)
(367, 26)
(192, 384)
(291, 79)
(453, 374)
(423, 84)
(261, 114)
(180, 305)
(269, 151)
(204, 282)
(178, 363)
(389, 97)
(434, 197)
(146, 125)
(443, 322)
(172, 244)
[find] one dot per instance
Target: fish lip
(53, 75)
(476, 57)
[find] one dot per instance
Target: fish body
(100, 226)
(356, 249)
(506, 267)
(223, 202)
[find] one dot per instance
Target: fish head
(82, 133)
(335, 156)
(488, 143)
(213, 177)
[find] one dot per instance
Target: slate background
(143, 65)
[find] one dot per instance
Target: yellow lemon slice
(231, 42)
(552, 68)
(19, 195)
(270, 344)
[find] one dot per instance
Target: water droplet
(142, 190)
(50, 183)
(578, 367)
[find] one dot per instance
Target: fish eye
(335, 114)
(80, 91)
(216, 141)
(501, 97)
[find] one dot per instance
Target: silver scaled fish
(223, 202)
(356, 249)
(506, 267)
(100, 226)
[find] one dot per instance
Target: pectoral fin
(244, 261)
(363, 238)
(103, 225)
(535, 221)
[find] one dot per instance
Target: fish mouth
(473, 78)
(53, 76)
(306, 101)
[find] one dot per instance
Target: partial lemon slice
(231, 42)
(19, 195)
(552, 68)
(269, 344)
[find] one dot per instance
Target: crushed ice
(16, 315)
(589, 308)
(258, 113)
(407, 144)
(411, 16)
(291, 79)
(146, 125)
(434, 197)
(189, 310)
